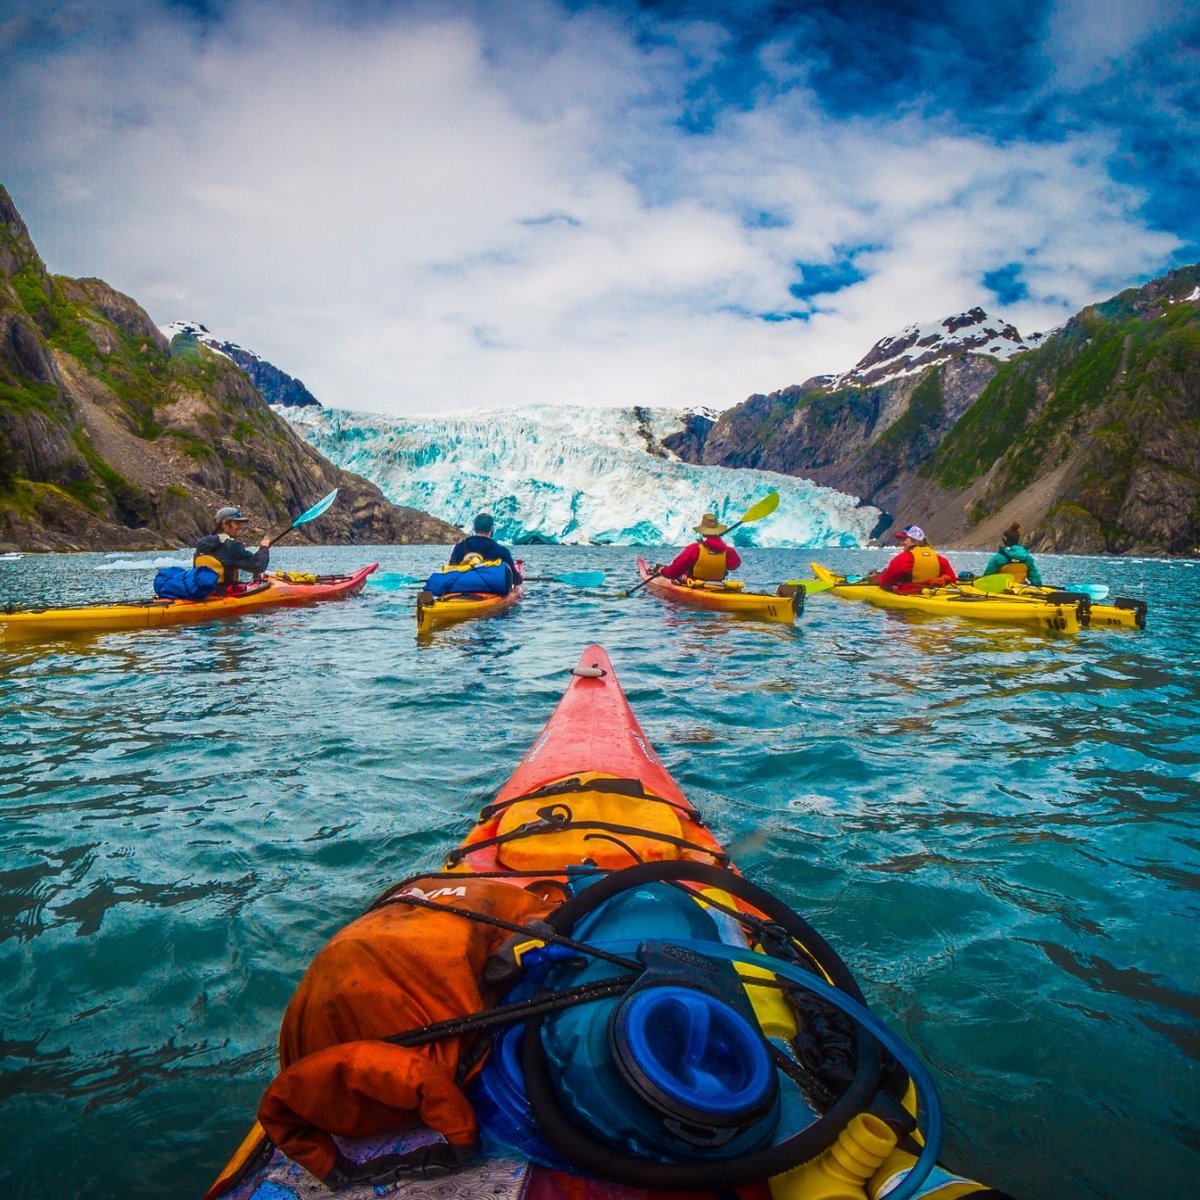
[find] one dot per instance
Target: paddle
(1000, 582)
(811, 586)
(308, 515)
(572, 578)
(764, 508)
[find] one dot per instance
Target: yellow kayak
(1121, 614)
(959, 602)
(725, 597)
(435, 611)
(272, 591)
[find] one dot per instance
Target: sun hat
(912, 531)
(230, 514)
(709, 526)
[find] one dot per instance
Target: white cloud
(427, 213)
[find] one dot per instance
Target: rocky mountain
(1087, 435)
(275, 386)
(112, 437)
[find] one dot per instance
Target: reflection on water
(997, 829)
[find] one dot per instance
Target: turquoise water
(999, 832)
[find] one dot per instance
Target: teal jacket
(1014, 554)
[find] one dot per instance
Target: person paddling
(1013, 559)
(225, 552)
(482, 543)
(709, 559)
(917, 566)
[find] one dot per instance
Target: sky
(439, 204)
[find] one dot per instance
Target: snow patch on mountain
(917, 347)
(574, 475)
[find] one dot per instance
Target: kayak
(628, 1016)
(435, 611)
(272, 591)
(973, 605)
(729, 597)
(1120, 614)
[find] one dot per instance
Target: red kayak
(589, 983)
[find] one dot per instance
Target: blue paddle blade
(316, 510)
(1097, 591)
(581, 578)
(393, 581)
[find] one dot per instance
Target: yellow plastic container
(842, 1171)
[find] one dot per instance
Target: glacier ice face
(573, 475)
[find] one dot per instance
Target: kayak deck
(434, 612)
(273, 591)
(987, 607)
(720, 597)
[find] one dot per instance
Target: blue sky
(419, 207)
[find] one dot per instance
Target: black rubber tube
(600, 1159)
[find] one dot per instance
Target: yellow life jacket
(226, 576)
(710, 566)
(470, 566)
(1019, 571)
(925, 564)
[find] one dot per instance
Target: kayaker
(226, 553)
(917, 566)
(1013, 559)
(482, 542)
(709, 559)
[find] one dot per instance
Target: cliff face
(1089, 437)
(112, 438)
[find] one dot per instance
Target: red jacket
(686, 559)
(897, 575)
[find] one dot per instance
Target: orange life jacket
(925, 564)
(396, 968)
(711, 566)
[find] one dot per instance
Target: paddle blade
(393, 581)
(811, 586)
(580, 578)
(993, 583)
(1097, 591)
(317, 509)
(767, 505)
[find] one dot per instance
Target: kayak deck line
(674, 936)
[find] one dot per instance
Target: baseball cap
(912, 531)
(230, 514)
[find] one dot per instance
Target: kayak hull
(440, 611)
(977, 606)
(274, 591)
(592, 745)
(718, 598)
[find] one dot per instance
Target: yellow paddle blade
(992, 583)
(767, 505)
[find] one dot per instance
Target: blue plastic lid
(691, 1054)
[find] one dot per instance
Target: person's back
(709, 560)
(482, 542)
(225, 553)
(1011, 558)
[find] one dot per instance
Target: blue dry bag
(185, 583)
(491, 578)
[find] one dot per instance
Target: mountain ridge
(113, 438)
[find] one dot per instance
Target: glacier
(573, 475)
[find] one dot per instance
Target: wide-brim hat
(709, 526)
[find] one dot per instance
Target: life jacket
(711, 566)
(1018, 570)
(925, 564)
(226, 575)
(399, 967)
